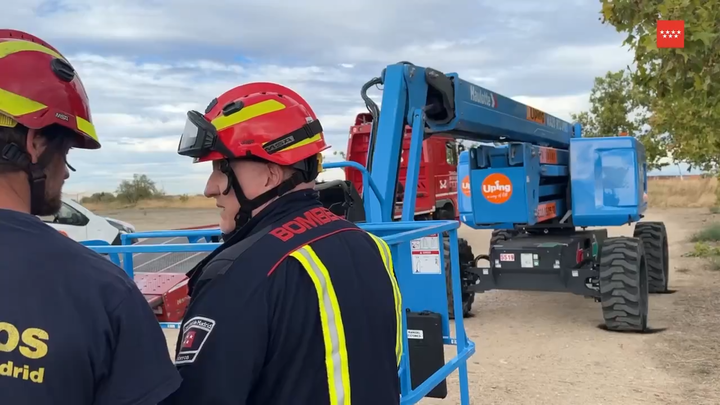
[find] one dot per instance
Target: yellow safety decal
(336, 357)
(387, 261)
(246, 113)
(7, 121)
(11, 47)
(15, 105)
(86, 127)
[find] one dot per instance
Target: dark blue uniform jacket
(253, 332)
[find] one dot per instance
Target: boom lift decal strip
(548, 156)
(387, 260)
(546, 211)
(336, 358)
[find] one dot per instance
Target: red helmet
(39, 87)
(264, 121)
(256, 120)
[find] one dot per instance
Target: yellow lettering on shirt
(31, 344)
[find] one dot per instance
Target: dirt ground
(547, 348)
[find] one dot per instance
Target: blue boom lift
(536, 182)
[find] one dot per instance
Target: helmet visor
(198, 137)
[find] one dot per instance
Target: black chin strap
(16, 156)
(247, 205)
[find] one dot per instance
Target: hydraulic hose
(375, 112)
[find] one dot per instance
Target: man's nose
(211, 188)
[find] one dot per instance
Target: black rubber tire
(624, 284)
(654, 239)
(500, 235)
(466, 256)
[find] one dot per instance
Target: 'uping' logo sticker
(497, 188)
(465, 186)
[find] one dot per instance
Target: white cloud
(145, 63)
(561, 106)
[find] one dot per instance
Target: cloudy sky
(145, 63)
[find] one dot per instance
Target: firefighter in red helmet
(74, 328)
(297, 306)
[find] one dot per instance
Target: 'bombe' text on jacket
(311, 219)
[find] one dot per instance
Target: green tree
(589, 128)
(679, 87)
(617, 107)
(98, 198)
(611, 103)
(141, 187)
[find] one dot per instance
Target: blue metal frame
(194, 236)
(419, 292)
(398, 236)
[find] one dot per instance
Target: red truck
(437, 182)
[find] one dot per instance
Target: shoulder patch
(195, 332)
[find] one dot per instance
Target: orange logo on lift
(497, 188)
(465, 186)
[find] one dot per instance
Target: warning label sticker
(415, 334)
(426, 255)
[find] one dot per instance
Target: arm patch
(195, 332)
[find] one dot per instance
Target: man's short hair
(57, 137)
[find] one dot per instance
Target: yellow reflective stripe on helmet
(16, 105)
(7, 121)
(86, 127)
(336, 357)
(387, 261)
(246, 113)
(11, 47)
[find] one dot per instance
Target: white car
(81, 224)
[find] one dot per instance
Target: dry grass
(693, 192)
(189, 202)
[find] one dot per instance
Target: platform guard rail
(398, 235)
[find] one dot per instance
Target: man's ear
(34, 144)
(277, 175)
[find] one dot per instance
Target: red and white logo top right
(670, 34)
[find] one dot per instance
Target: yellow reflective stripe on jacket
(336, 357)
(387, 260)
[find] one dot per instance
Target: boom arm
(434, 102)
